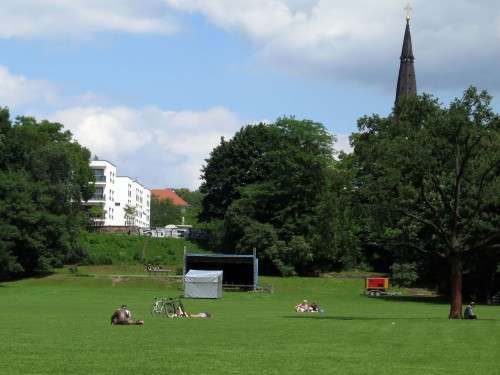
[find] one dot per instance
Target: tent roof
(212, 255)
(203, 276)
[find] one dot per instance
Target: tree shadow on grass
(437, 300)
(370, 318)
(347, 318)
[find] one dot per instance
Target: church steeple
(407, 83)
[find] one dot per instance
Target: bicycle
(173, 307)
(170, 307)
(158, 306)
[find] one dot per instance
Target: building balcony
(100, 178)
(98, 197)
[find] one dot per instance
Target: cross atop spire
(407, 83)
(408, 9)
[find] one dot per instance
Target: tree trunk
(456, 286)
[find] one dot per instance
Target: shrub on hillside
(105, 248)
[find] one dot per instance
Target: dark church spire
(407, 83)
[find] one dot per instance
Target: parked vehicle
(376, 286)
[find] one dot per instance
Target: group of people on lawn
(123, 316)
(306, 307)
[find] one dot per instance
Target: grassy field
(60, 325)
(106, 248)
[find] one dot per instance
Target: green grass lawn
(60, 325)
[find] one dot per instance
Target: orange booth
(377, 283)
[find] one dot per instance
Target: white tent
(203, 284)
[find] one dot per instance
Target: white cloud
(258, 18)
(82, 18)
(456, 41)
(17, 91)
(342, 143)
(161, 148)
(27, 95)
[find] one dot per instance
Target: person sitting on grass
(123, 316)
(315, 308)
(469, 313)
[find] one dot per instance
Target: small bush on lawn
(404, 274)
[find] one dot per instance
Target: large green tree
(429, 174)
(270, 185)
(193, 210)
(233, 164)
(44, 177)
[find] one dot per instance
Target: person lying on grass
(469, 313)
(123, 316)
(304, 306)
(181, 313)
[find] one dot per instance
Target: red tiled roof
(162, 194)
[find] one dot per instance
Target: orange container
(377, 283)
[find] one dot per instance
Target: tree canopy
(269, 188)
(164, 212)
(44, 177)
(429, 180)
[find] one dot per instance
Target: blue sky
(152, 85)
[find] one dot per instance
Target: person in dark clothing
(123, 316)
(469, 312)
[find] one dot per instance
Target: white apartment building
(131, 193)
(125, 201)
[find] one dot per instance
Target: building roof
(162, 194)
(93, 161)
(134, 180)
(220, 255)
(407, 83)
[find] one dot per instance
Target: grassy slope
(60, 325)
(125, 249)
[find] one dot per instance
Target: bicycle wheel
(170, 310)
(154, 308)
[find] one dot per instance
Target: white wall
(132, 193)
(105, 186)
(114, 193)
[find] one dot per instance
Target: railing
(98, 197)
(100, 178)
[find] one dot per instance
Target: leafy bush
(44, 266)
(75, 255)
(138, 258)
(404, 274)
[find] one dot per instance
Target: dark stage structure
(239, 270)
